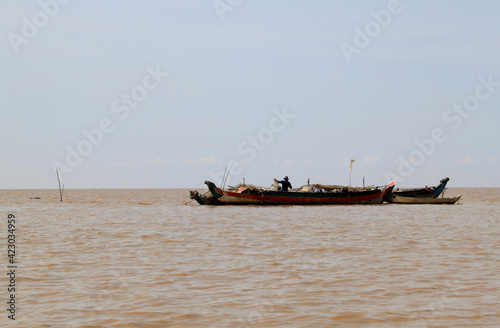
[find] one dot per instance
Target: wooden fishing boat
(262, 196)
(419, 200)
(427, 192)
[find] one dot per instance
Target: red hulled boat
(318, 195)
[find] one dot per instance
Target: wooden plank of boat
(416, 200)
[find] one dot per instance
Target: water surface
(140, 258)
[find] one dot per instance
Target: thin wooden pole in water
(61, 190)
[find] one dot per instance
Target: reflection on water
(140, 258)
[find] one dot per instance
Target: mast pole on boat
(223, 177)
(350, 172)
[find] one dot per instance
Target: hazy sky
(166, 94)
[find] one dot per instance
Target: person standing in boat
(285, 184)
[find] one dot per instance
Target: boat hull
(416, 200)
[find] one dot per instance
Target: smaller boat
(418, 200)
(427, 192)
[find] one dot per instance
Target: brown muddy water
(140, 258)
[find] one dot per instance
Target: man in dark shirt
(285, 184)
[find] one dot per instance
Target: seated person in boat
(285, 184)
